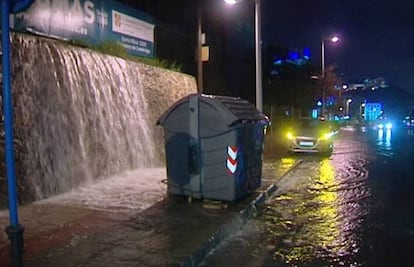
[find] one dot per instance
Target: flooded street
(127, 220)
(352, 209)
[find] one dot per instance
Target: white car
(310, 136)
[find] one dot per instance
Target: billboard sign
(92, 21)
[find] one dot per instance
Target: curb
(236, 223)
(250, 210)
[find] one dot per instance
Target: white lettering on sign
(64, 12)
(102, 18)
(89, 14)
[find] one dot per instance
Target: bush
(115, 49)
(111, 48)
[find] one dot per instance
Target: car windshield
(308, 123)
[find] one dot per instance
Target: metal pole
(323, 58)
(323, 77)
(258, 41)
(199, 54)
(7, 109)
(14, 230)
(340, 96)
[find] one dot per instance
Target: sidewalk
(171, 232)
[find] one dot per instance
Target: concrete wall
(163, 88)
(55, 90)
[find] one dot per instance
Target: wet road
(354, 208)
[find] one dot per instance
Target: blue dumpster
(213, 147)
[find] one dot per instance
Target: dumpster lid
(232, 109)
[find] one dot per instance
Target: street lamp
(362, 110)
(348, 101)
(333, 39)
(258, 49)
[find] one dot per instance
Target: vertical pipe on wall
(14, 230)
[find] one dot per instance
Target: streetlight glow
(335, 39)
(230, 2)
(348, 101)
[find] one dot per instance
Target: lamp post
(348, 101)
(333, 39)
(362, 110)
(258, 51)
(199, 53)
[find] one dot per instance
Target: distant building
(293, 56)
(368, 84)
(355, 86)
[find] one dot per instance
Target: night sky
(377, 36)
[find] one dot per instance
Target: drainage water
(81, 116)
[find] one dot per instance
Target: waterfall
(79, 115)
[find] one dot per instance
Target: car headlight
(326, 136)
(388, 126)
(290, 136)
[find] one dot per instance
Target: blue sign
(372, 111)
(93, 21)
(20, 5)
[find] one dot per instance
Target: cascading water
(81, 116)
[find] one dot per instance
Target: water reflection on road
(318, 220)
(318, 213)
(384, 144)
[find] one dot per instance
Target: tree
(332, 84)
(287, 81)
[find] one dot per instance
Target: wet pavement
(171, 232)
(351, 209)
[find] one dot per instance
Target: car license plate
(306, 143)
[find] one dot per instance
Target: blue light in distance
(306, 53)
(293, 55)
(277, 61)
(314, 113)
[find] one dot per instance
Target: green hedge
(115, 49)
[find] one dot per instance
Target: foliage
(291, 86)
(111, 48)
(332, 83)
(296, 84)
(115, 49)
(79, 43)
(162, 63)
